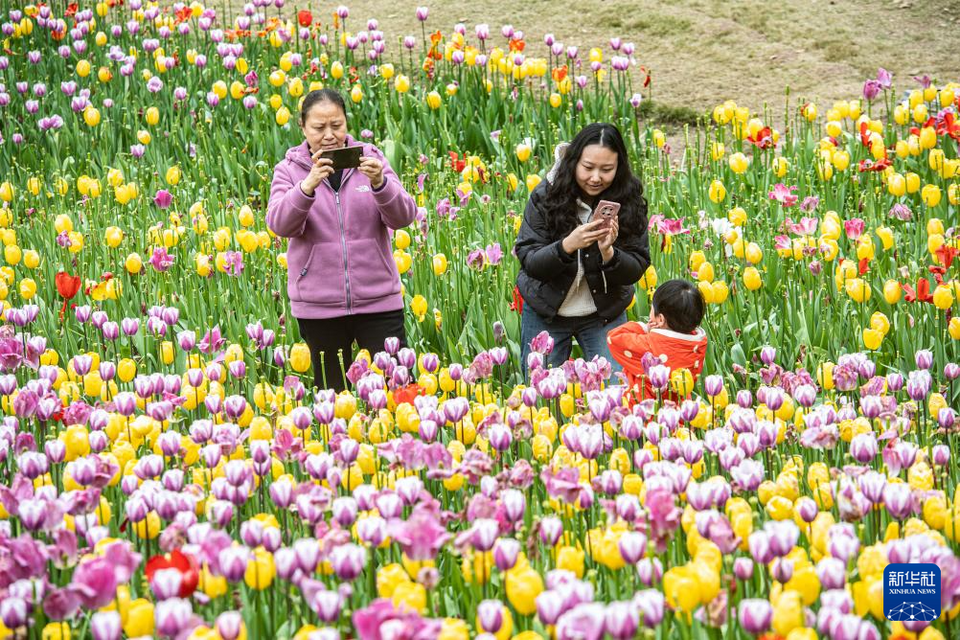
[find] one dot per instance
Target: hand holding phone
(344, 158)
(607, 211)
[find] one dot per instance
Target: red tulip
(67, 285)
(305, 18)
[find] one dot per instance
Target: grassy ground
(705, 51)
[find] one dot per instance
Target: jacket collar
(558, 152)
(696, 336)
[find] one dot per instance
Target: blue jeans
(590, 332)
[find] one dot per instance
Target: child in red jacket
(673, 336)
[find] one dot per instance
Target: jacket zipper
(343, 240)
(343, 248)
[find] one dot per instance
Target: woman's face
(325, 126)
(596, 169)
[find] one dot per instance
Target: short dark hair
(681, 304)
(318, 96)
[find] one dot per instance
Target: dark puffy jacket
(547, 271)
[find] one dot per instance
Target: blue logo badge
(911, 592)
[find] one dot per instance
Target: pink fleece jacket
(339, 260)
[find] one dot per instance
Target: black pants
(329, 337)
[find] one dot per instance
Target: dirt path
(705, 51)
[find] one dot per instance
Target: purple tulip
(172, 616)
(505, 553)
(348, 561)
(832, 573)
(898, 498)
(651, 603)
(755, 615)
(105, 625)
(163, 198)
(551, 528)
(863, 447)
(632, 546)
(490, 615)
(95, 581)
(327, 604)
(941, 454)
(621, 620)
(585, 621)
(649, 570)
(743, 568)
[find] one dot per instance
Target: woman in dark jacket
(577, 277)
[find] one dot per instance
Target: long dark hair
(561, 194)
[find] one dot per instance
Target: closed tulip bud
(505, 553)
(632, 546)
(551, 528)
(348, 561)
(946, 418)
(755, 615)
(717, 192)
(649, 570)
(490, 615)
(743, 568)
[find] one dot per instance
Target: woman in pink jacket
(341, 278)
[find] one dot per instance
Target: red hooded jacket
(631, 340)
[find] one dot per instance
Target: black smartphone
(345, 158)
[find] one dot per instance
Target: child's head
(678, 306)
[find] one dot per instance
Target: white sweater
(579, 301)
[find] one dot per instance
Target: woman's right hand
(322, 169)
(584, 236)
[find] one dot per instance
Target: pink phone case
(606, 210)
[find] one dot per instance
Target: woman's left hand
(373, 169)
(606, 243)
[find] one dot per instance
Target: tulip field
(167, 471)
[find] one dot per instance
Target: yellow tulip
(943, 297)
(705, 272)
(439, 264)
(6, 191)
(401, 83)
(891, 291)
(31, 259)
(12, 254)
(300, 357)
(28, 288)
(717, 192)
(133, 263)
(780, 166)
(434, 100)
(356, 94)
(153, 116)
(752, 279)
(858, 289)
(739, 163)
(91, 116)
(523, 152)
(872, 339)
(930, 195)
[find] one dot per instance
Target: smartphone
(606, 211)
(345, 158)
